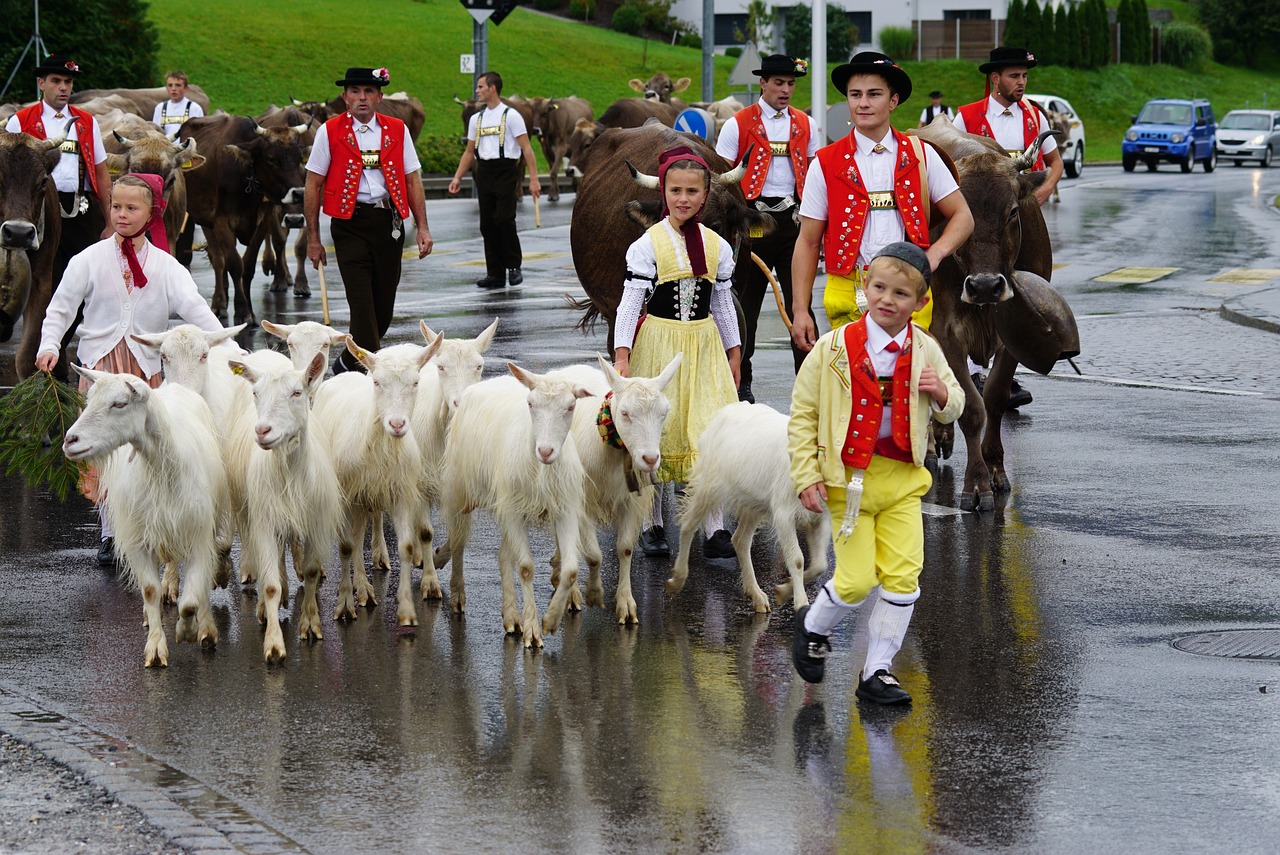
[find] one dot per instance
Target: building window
(967, 15)
(861, 20)
(730, 29)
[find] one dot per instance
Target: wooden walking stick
(777, 289)
(324, 295)
(537, 214)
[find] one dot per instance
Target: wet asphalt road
(1052, 713)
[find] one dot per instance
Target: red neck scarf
(691, 231)
(154, 228)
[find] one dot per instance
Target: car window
(1199, 116)
(1165, 114)
(1245, 122)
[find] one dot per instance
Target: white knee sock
(655, 512)
(827, 610)
(713, 523)
(886, 628)
(102, 522)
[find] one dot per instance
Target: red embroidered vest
(751, 130)
(862, 439)
(346, 163)
(31, 119)
(975, 122)
(848, 203)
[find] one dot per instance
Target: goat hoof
(432, 591)
(595, 596)
(626, 612)
(575, 599)
(209, 639)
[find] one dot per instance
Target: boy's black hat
(870, 62)
(935, 94)
(366, 77)
(56, 63)
(781, 65)
(1004, 57)
(910, 253)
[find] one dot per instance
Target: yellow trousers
(840, 299)
(887, 544)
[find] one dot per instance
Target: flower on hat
(1031, 56)
(71, 66)
(802, 66)
(382, 74)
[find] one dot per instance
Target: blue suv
(1180, 131)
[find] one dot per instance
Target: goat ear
(427, 332)
(89, 374)
(278, 330)
(669, 372)
(152, 341)
(611, 373)
(432, 349)
(216, 338)
(528, 378)
(366, 358)
(315, 371)
(581, 392)
(485, 338)
(241, 369)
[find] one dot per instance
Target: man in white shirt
(496, 140)
(170, 115)
(783, 141)
(936, 108)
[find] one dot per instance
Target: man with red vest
(84, 185)
(783, 141)
(870, 189)
(1007, 119)
(364, 173)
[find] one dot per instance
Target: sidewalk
(1258, 309)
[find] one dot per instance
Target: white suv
(1070, 146)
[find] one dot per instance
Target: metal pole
(708, 50)
(818, 67)
(957, 38)
(479, 47)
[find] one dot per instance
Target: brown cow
(29, 231)
(660, 88)
(248, 170)
(142, 102)
(273, 229)
(554, 120)
(612, 211)
(992, 298)
(623, 113)
(137, 146)
(397, 105)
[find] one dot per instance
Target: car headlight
(1132, 136)
(1258, 140)
(1175, 138)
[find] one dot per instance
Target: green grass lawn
(248, 54)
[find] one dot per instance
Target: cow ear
(52, 158)
(636, 84)
(760, 223)
(195, 162)
(115, 163)
(240, 153)
(681, 84)
(644, 214)
(1029, 182)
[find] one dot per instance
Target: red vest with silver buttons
(848, 204)
(751, 130)
(975, 122)
(31, 120)
(862, 438)
(345, 165)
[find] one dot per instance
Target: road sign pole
(480, 47)
(708, 50)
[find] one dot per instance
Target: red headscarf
(691, 231)
(154, 227)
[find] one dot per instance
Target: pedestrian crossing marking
(1060, 266)
(1136, 275)
(528, 256)
(1246, 275)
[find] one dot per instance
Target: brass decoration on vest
(1014, 152)
(780, 149)
(886, 390)
(371, 159)
(70, 147)
(882, 200)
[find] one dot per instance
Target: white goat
(305, 340)
(293, 495)
(160, 470)
(366, 419)
(509, 451)
(743, 466)
(619, 486)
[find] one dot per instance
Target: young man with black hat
(84, 185)
(783, 141)
(497, 138)
(364, 173)
(1004, 117)
(865, 191)
(936, 108)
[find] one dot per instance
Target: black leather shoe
(490, 282)
(653, 542)
(107, 552)
(882, 688)
(1018, 396)
(515, 276)
(744, 392)
(979, 381)
(718, 545)
(809, 650)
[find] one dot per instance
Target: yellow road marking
(1136, 275)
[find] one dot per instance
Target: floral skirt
(119, 361)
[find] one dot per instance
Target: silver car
(1065, 118)
(1245, 135)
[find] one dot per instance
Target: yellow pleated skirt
(840, 299)
(700, 388)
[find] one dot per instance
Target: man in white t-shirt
(170, 115)
(935, 109)
(496, 140)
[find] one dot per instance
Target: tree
(1031, 26)
(1124, 20)
(759, 27)
(798, 33)
(1100, 34)
(113, 41)
(1046, 49)
(1075, 40)
(1015, 32)
(1142, 21)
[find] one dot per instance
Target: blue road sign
(697, 121)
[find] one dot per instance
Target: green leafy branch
(34, 418)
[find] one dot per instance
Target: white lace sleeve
(726, 317)
(624, 325)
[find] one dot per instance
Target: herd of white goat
(263, 447)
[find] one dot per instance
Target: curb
(1231, 310)
(72, 745)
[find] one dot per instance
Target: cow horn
(300, 129)
(1027, 159)
(733, 176)
(123, 140)
(257, 129)
(188, 144)
(54, 142)
(459, 101)
(647, 181)
(296, 102)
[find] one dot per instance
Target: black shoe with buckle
(744, 392)
(1018, 396)
(718, 546)
(107, 552)
(809, 650)
(882, 688)
(653, 542)
(490, 282)
(515, 276)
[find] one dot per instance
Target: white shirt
(1008, 129)
(487, 145)
(883, 226)
(67, 173)
(884, 362)
(112, 312)
(781, 180)
(373, 184)
(170, 116)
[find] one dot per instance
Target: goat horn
(123, 140)
(733, 176)
(648, 181)
(1028, 158)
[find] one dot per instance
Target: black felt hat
(1004, 57)
(781, 65)
(366, 77)
(908, 252)
(870, 62)
(56, 63)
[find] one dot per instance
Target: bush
(797, 32)
(113, 40)
(1184, 45)
(628, 19)
(547, 5)
(439, 153)
(693, 40)
(898, 42)
(582, 9)
(733, 51)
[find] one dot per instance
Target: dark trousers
(369, 262)
(754, 289)
(78, 234)
(496, 189)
